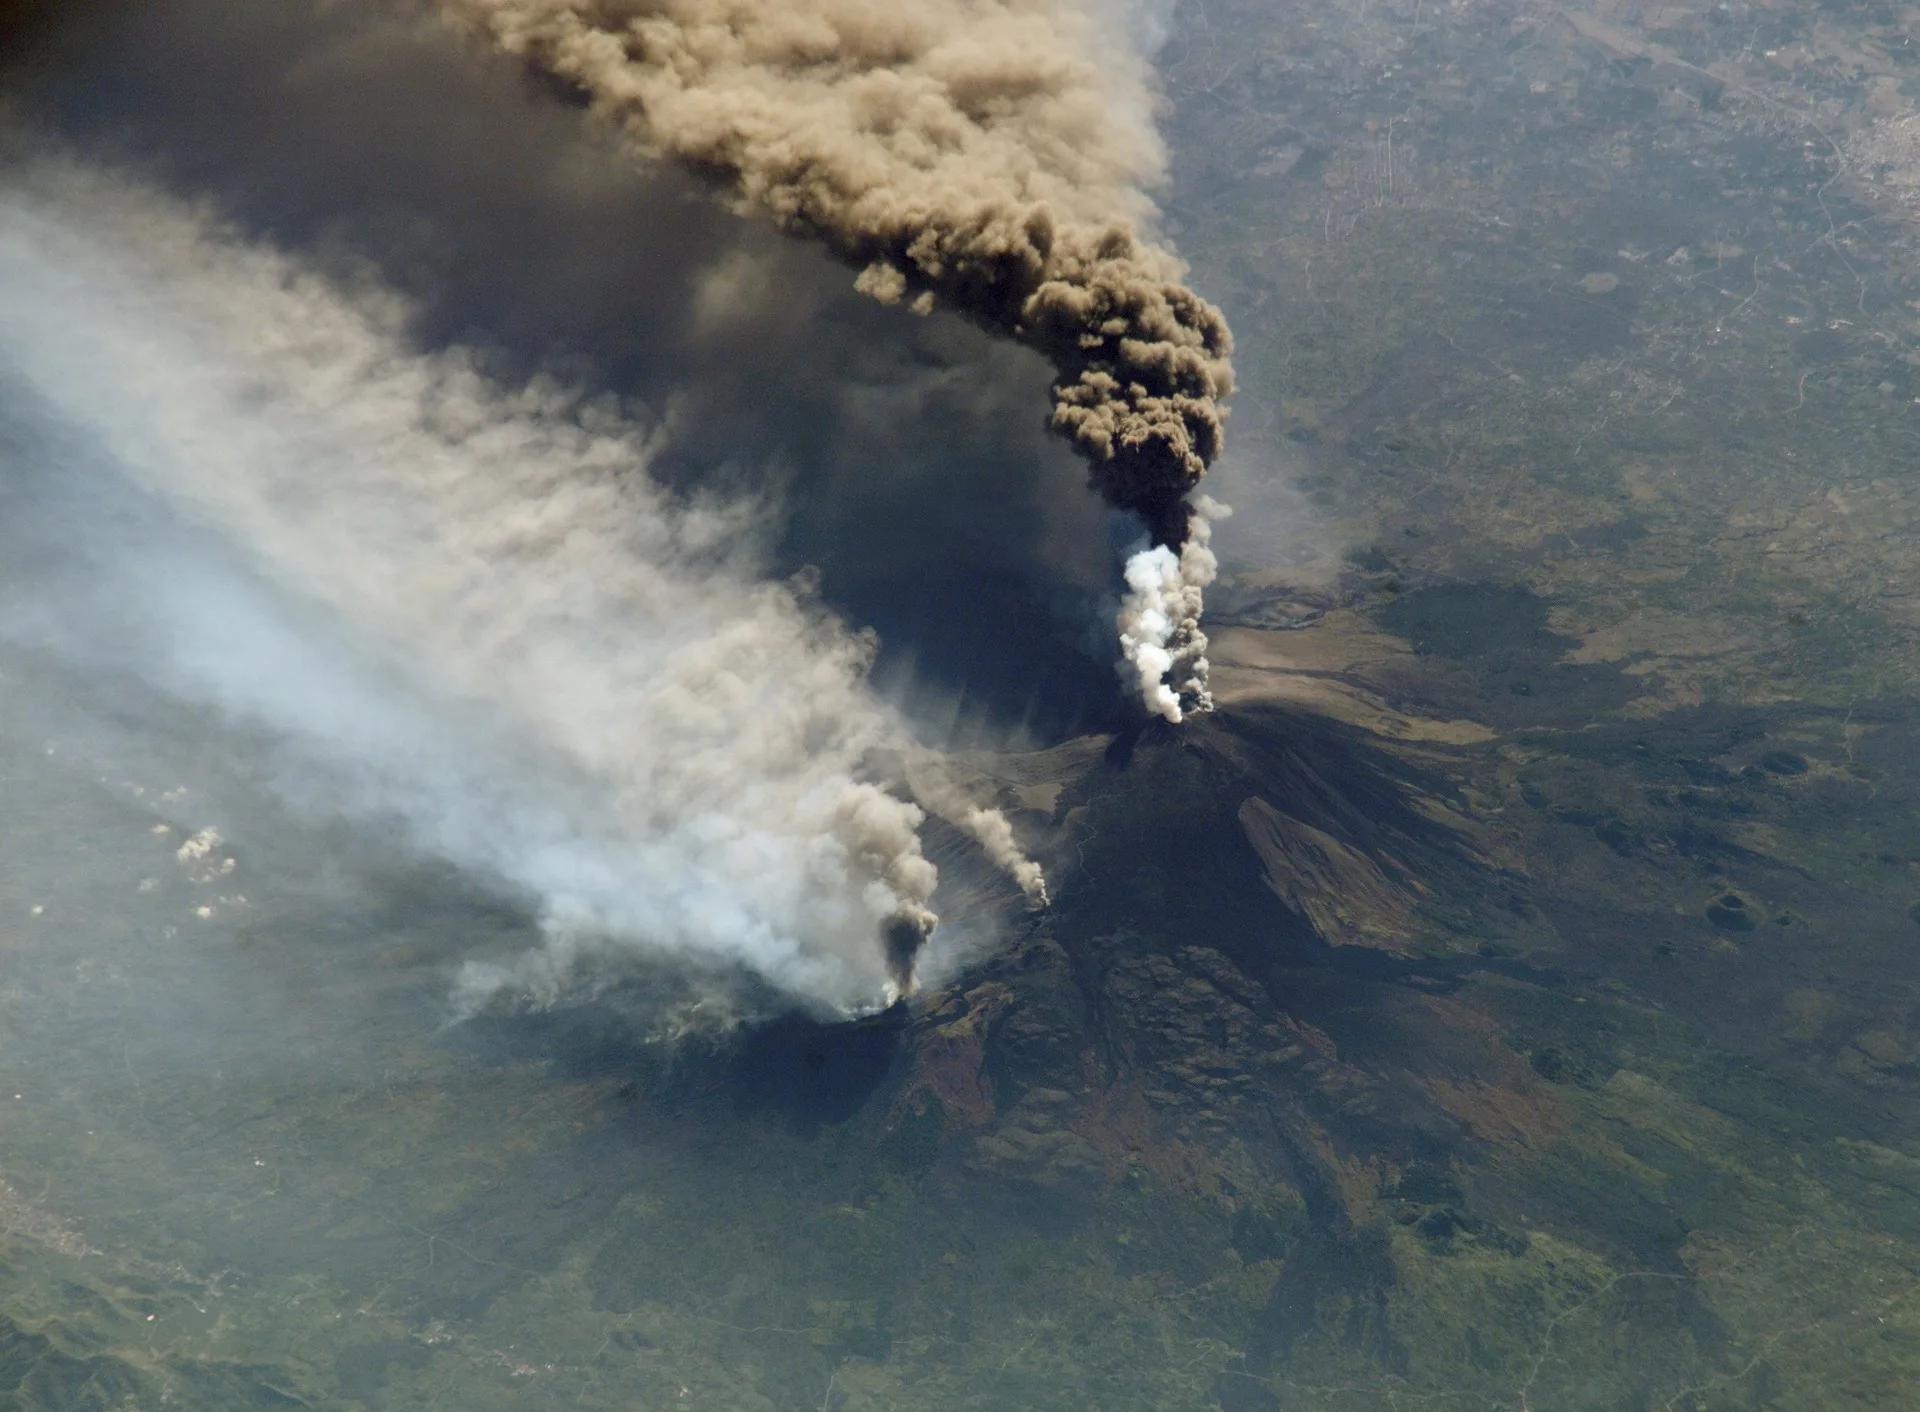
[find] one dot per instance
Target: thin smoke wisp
(467, 609)
(989, 155)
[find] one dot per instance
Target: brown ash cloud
(989, 156)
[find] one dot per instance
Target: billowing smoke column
(1160, 635)
(462, 607)
(987, 154)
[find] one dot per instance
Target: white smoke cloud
(1163, 651)
(464, 608)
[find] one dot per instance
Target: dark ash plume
(989, 155)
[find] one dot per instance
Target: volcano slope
(1208, 1094)
(1297, 1096)
(1364, 1052)
(1308, 1091)
(1304, 1094)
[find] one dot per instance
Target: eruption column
(989, 155)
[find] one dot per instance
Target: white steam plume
(467, 608)
(1161, 644)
